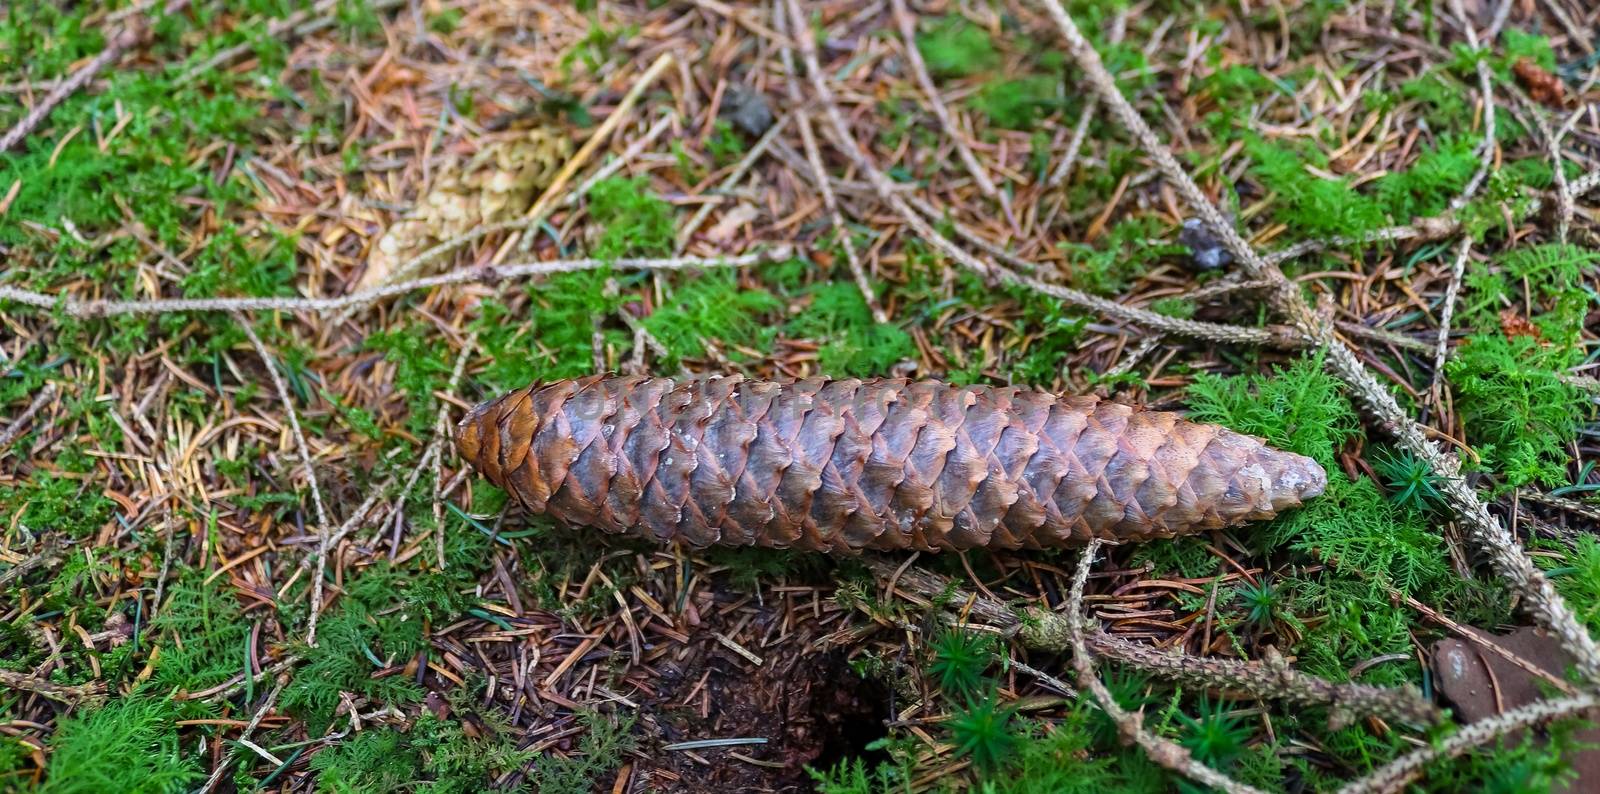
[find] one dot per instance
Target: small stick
(1397, 774)
(1270, 679)
(1442, 344)
(93, 691)
(1162, 751)
(250, 728)
(1075, 144)
(294, 419)
(612, 122)
(441, 432)
(73, 307)
(908, 34)
(814, 157)
(1485, 83)
(311, 473)
(14, 430)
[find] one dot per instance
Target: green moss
(634, 221)
(1436, 177)
(435, 755)
(552, 339)
(1516, 43)
(598, 755)
(377, 760)
(129, 745)
(378, 624)
(1520, 416)
(725, 145)
(1126, 252)
(423, 363)
(1299, 408)
(1370, 542)
(1237, 85)
(1576, 572)
(1519, 412)
(1312, 205)
(954, 47)
(960, 658)
(203, 634)
(53, 501)
(1018, 103)
(982, 731)
(853, 343)
(712, 305)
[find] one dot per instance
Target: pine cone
(882, 464)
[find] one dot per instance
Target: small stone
(747, 109)
(1205, 250)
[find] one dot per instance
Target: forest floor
(257, 256)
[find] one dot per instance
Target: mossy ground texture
(168, 541)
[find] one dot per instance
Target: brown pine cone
(882, 464)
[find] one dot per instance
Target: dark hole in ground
(812, 709)
(854, 717)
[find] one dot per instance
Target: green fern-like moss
(128, 745)
(954, 47)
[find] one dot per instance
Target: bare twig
(294, 418)
(249, 729)
(1397, 774)
(1271, 679)
(92, 692)
(1074, 144)
(808, 138)
(1573, 506)
(1446, 312)
(908, 36)
(311, 473)
(1130, 725)
(1486, 89)
(73, 307)
(19, 424)
(441, 434)
(1540, 597)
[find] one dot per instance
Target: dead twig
(1130, 725)
(1446, 312)
(20, 424)
(808, 139)
(908, 37)
(92, 692)
(1540, 597)
(1270, 679)
(1397, 774)
(74, 307)
(323, 528)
